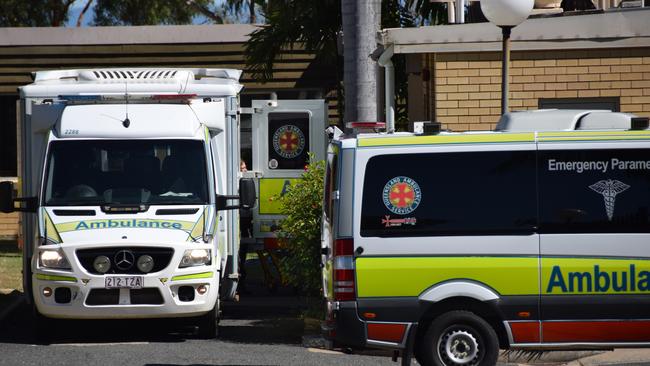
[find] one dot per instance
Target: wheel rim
(459, 346)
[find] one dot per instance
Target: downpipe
(389, 79)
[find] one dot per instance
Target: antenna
(126, 123)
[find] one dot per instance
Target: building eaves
(610, 29)
(168, 34)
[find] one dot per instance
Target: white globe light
(507, 12)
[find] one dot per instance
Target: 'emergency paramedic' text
(600, 166)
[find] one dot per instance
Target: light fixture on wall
(506, 14)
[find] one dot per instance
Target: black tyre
(458, 338)
(43, 327)
(208, 324)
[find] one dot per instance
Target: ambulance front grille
(161, 258)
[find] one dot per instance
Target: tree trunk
(360, 26)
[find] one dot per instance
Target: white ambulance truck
(453, 245)
(132, 176)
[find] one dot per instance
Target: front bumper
(163, 294)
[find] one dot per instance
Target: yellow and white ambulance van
(455, 245)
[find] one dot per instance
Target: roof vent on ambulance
(135, 74)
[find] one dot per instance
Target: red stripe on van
(525, 332)
(386, 332)
(605, 331)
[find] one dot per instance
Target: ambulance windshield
(100, 172)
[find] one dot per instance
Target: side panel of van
(595, 236)
(438, 222)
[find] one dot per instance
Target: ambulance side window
(438, 194)
(594, 191)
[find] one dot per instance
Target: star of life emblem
(288, 141)
(402, 195)
(609, 189)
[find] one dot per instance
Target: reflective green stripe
(271, 189)
(449, 139)
(45, 277)
(501, 137)
(193, 276)
(593, 135)
(411, 276)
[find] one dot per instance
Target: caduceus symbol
(609, 189)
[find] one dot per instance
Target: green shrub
(300, 230)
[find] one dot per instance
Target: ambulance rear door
(284, 132)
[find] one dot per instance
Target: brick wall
(468, 85)
(8, 226)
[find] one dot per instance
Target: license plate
(124, 282)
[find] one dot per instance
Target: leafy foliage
(313, 24)
(316, 25)
(148, 12)
(238, 7)
(34, 13)
(300, 230)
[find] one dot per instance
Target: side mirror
(247, 194)
(6, 197)
(7, 200)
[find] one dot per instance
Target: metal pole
(451, 13)
(460, 11)
(505, 67)
(385, 62)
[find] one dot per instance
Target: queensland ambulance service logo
(402, 195)
(288, 141)
(609, 189)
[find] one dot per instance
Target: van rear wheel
(459, 338)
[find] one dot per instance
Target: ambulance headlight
(53, 258)
(196, 257)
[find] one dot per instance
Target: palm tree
(316, 25)
(238, 6)
(360, 27)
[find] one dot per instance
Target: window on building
(594, 191)
(611, 104)
(471, 193)
(8, 146)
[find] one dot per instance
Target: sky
(75, 10)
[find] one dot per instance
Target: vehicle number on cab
(124, 282)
